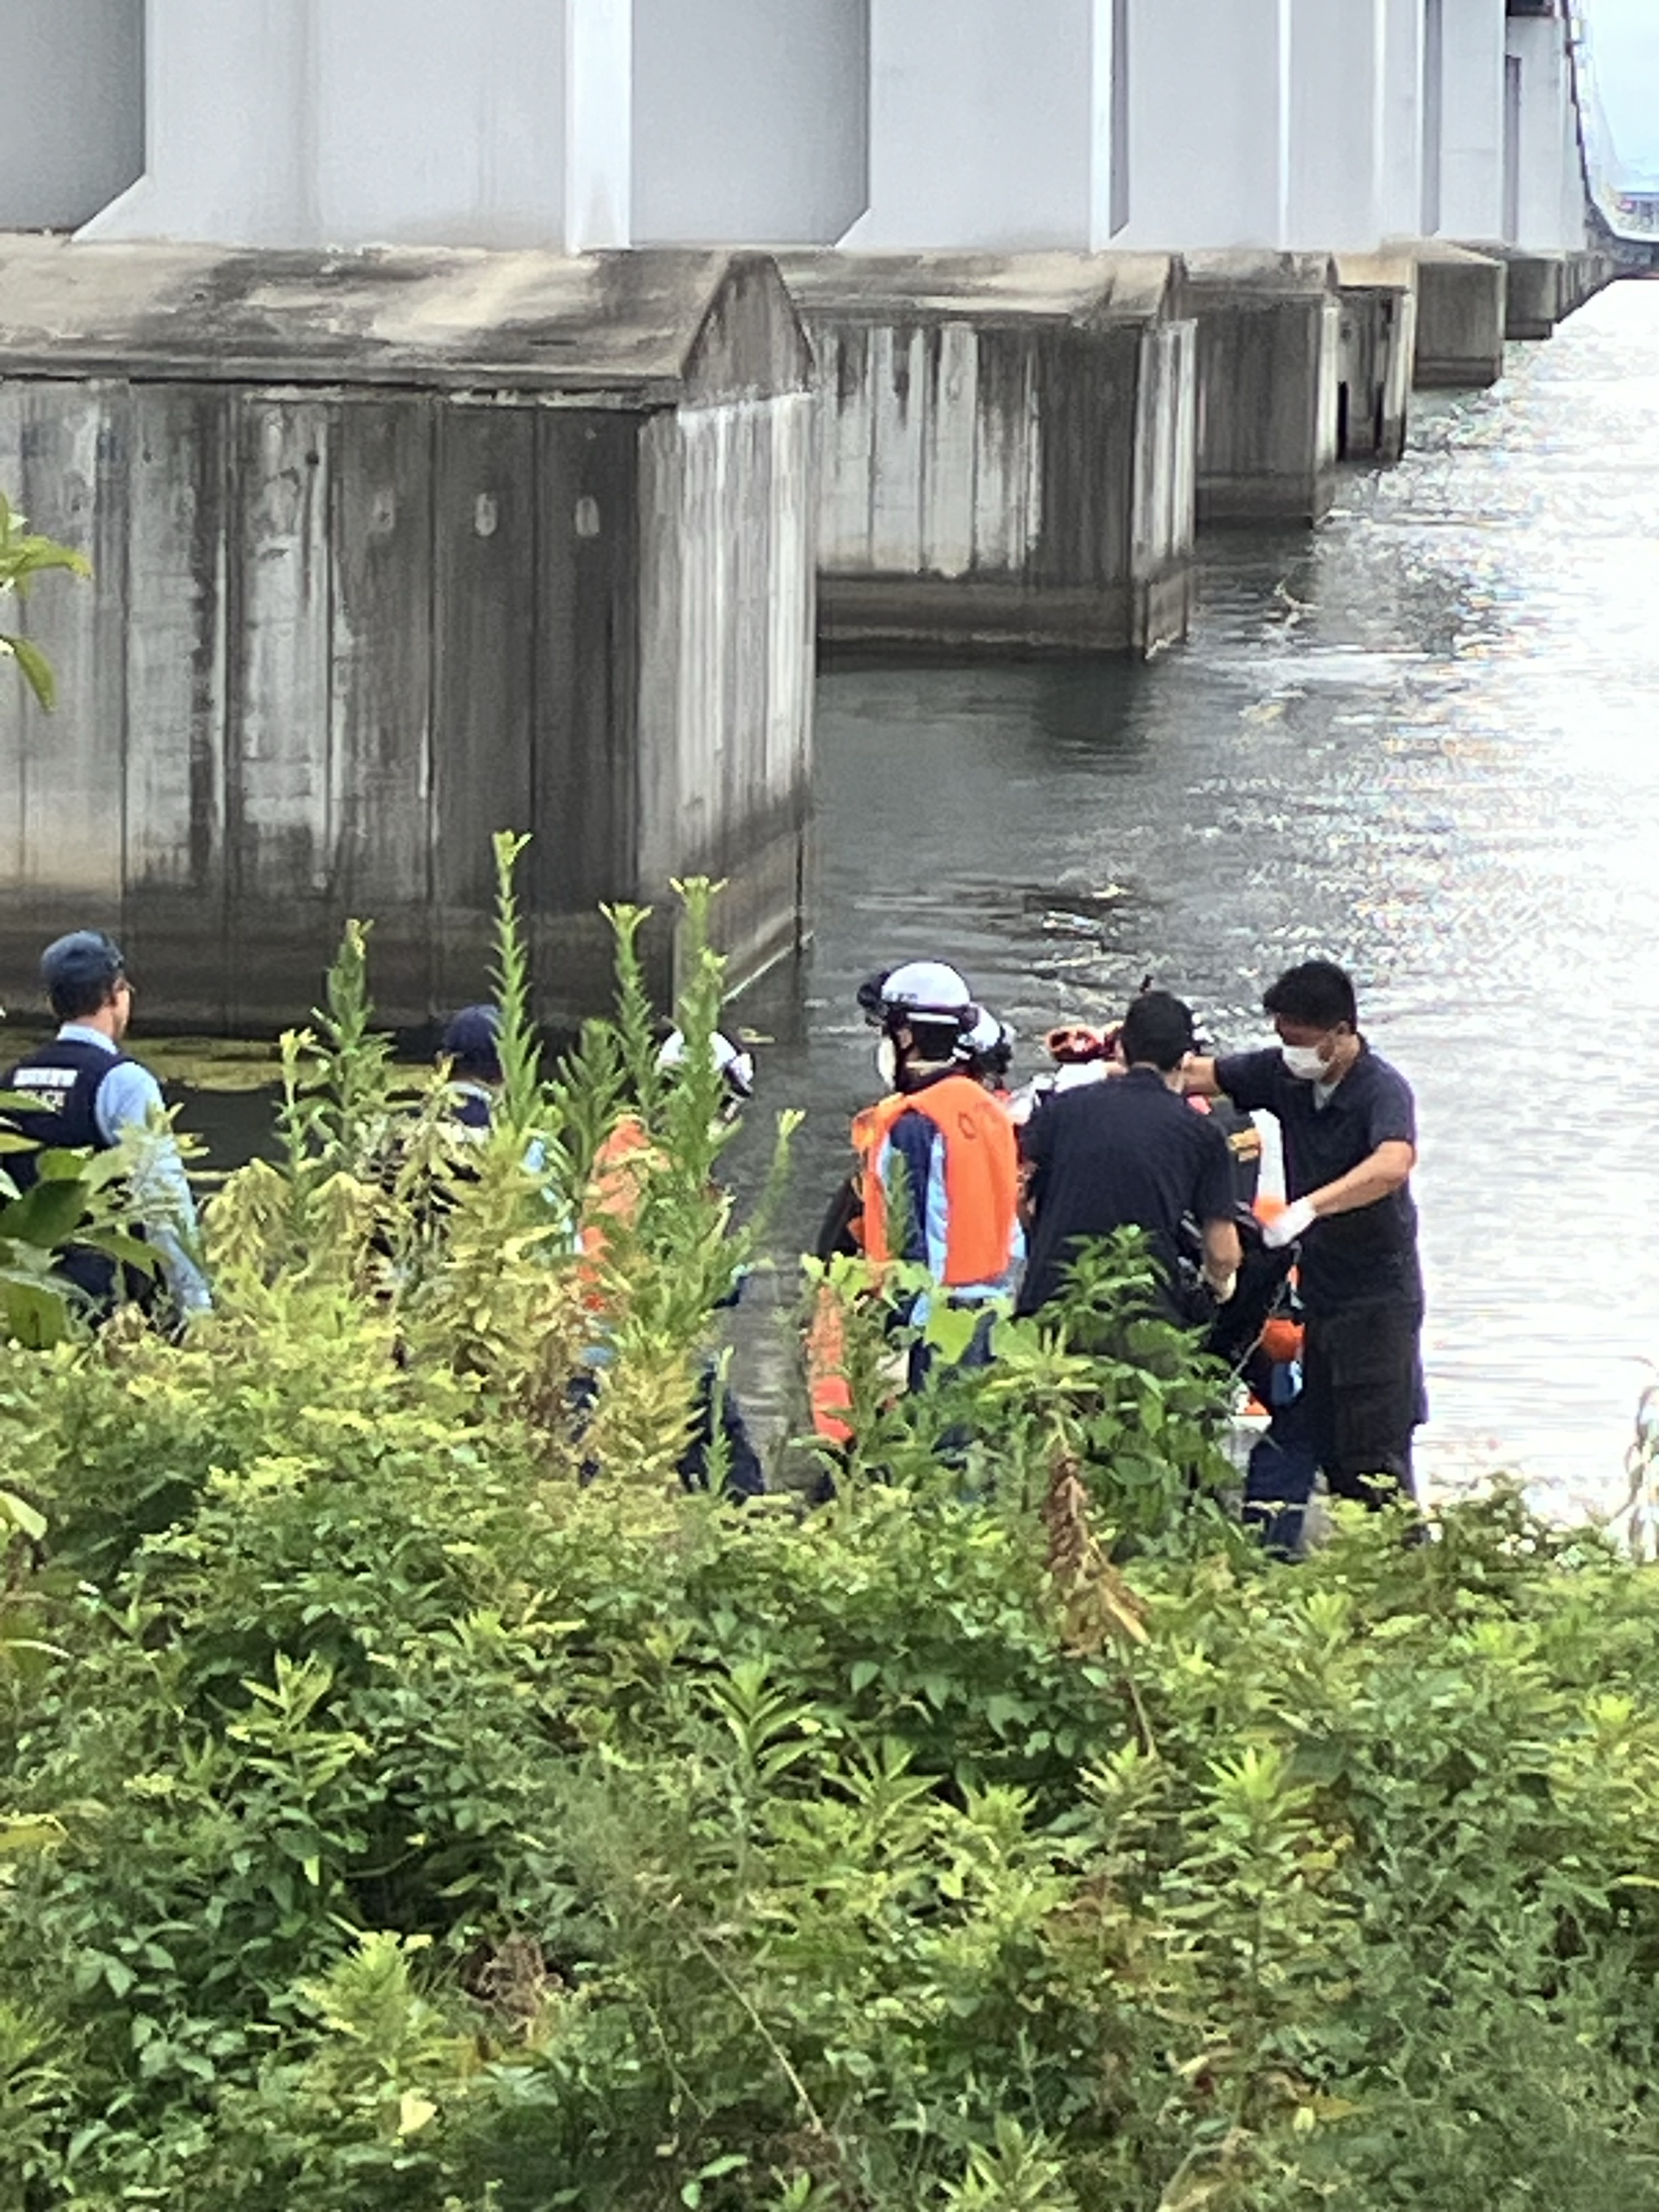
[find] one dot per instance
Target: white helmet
(735, 1068)
(988, 1034)
(989, 1047)
(932, 990)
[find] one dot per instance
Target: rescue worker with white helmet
(734, 1067)
(939, 1165)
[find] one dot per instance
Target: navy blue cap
(84, 961)
(473, 1040)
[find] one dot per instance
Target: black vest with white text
(65, 1076)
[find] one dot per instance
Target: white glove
(1284, 1228)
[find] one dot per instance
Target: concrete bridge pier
(1462, 305)
(1269, 362)
(1378, 344)
(1006, 451)
(393, 549)
(1535, 293)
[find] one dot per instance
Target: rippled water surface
(1423, 740)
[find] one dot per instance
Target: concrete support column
(597, 137)
(422, 136)
(1209, 87)
(1007, 451)
(227, 91)
(1461, 306)
(985, 132)
(1550, 174)
(1404, 106)
(750, 120)
(1336, 122)
(74, 133)
(1473, 110)
(366, 122)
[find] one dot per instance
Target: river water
(1422, 740)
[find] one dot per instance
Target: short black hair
(934, 1042)
(1316, 993)
(1157, 1029)
(80, 973)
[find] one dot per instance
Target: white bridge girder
(994, 125)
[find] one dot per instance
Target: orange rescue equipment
(828, 1390)
(1281, 1337)
(982, 1175)
(614, 1191)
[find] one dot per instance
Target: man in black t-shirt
(1350, 1132)
(1129, 1154)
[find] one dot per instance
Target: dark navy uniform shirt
(1127, 1153)
(1346, 1259)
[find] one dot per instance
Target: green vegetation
(395, 1817)
(24, 556)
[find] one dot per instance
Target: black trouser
(1362, 1384)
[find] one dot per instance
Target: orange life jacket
(612, 1201)
(982, 1175)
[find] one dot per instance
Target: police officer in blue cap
(87, 1093)
(471, 1044)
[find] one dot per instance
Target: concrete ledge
(1461, 310)
(923, 614)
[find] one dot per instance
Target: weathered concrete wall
(727, 619)
(750, 120)
(1269, 367)
(1378, 295)
(1166, 486)
(1461, 303)
(1535, 293)
(74, 131)
(342, 631)
(335, 642)
(1007, 452)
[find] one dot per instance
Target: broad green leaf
(22, 1515)
(29, 1831)
(37, 669)
(46, 1216)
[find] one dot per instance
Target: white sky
(1625, 51)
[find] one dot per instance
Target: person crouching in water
(939, 1165)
